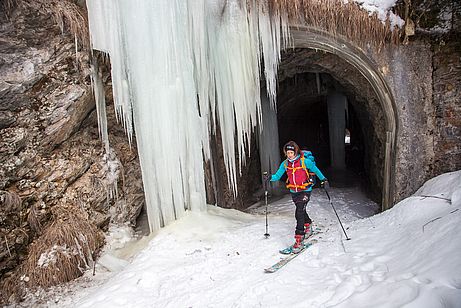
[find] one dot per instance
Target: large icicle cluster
(179, 69)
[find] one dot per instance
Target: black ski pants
(301, 199)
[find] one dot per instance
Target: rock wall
(424, 76)
(248, 180)
(447, 104)
(50, 151)
(407, 70)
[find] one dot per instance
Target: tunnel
(319, 94)
(332, 101)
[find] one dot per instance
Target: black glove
(324, 184)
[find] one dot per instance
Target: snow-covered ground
(405, 257)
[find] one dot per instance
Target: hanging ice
(179, 68)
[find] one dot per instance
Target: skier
(299, 182)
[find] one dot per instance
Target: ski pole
(331, 203)
(266, 235)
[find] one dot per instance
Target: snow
(50, 257)
(404, 257)
(383, 10)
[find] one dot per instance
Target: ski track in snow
(216, 259)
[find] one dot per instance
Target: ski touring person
(299, 167)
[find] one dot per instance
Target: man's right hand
(325, 184)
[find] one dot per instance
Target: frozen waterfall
(179, 68)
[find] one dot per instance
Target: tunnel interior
(304, 117)
(310, 83)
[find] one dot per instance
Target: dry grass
(33, 218)
(67, 15)
(9, 201)
(337, 18)
(7, 7)
(333, 16)
(65, 250)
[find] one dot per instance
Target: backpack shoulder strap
(302, 159)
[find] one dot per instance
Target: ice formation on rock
(179, 69)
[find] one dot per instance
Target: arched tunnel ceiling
(346, 77)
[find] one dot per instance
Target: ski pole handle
(265, 180)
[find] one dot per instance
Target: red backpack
(309, 179)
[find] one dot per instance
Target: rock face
(50, 151)
(447, 105)
(424, 77)
(248, 180)
(408, 72)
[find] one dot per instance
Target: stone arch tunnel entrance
(332, 101)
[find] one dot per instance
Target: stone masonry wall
(447, 103)
(408, 71)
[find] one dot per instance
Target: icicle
(178, 68)
(203, 79)
(270, 43)
(100, 99)
(238, 106)
(107, 35)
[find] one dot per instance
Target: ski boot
(307, 230)
(299, 243)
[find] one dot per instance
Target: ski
(289, 250)
(290, 257)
